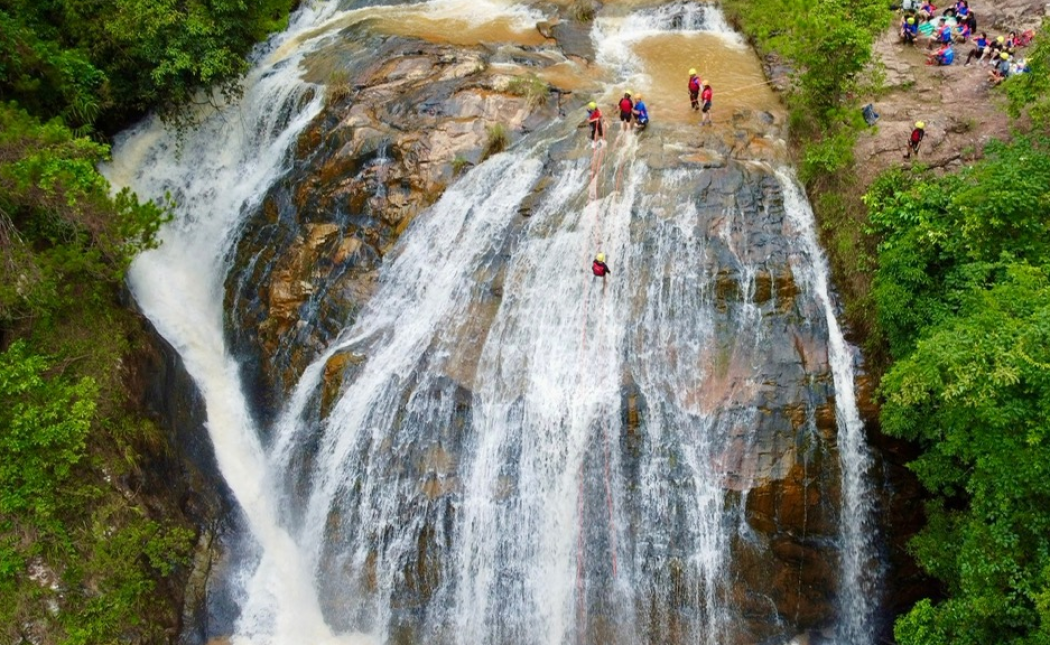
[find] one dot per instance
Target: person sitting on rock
(626, 111)
(941, 35)
(971, 21)
(1001, 71)
(942, 57)
(641, 113)
(979, 45)
(962, 32)
(599, 267)
(909, 30)
(915, 140)
(962, 9)
(994, 48)
(926, 10)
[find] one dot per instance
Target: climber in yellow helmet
(599, 267)
(694, 90)
(594, 119)
(915, 140)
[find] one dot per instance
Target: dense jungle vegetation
(81, 552)
(947, 277)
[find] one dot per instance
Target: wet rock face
(409, 119)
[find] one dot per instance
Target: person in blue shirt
(641, 113)
(909, 30)
(943, 56)
(979, 44)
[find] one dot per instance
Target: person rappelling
(594, 119)
(599, 267)
(694, 90)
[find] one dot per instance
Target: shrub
(534, 89)
(498, 140)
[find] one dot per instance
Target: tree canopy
(963, 295)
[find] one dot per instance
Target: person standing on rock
(594, 119)
(915, 140)
(706, 96)
(641, 114)
(626, 111)
(694, 90)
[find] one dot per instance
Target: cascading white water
(859, 579)
(475, 480)
(216, 174)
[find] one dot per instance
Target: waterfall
(523, 453)
(859, 580)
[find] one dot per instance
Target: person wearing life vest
(909, 30)
(641, 113)
(594, 119)
(599, 267)
(915, 140)
(943, 56)
(626, 111)
(694, 90)
(941, 35)
(706, 97)
(979, 45)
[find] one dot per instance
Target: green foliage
(110, 60)
(534, 89)
(1030, 93)
(498, 140)
(944, 236)
(90, 552)
(60, 229)
(963, 296)
(43, 427)
(828, 44)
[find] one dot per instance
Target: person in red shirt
(594, 119)
(915, 140)
(626, 111)
(706, 97)
(694, 90)
(599, 267)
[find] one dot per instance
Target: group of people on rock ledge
(634, 113)
(957, 26)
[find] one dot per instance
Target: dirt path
(961, 111)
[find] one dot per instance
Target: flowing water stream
(525, 454)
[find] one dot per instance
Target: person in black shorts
(626, 111)
(706, 96)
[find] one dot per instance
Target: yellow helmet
(592, 105)
(1000, 40)
(911, 21)
(600, 257)
(704, 83)
(629, 93)
(1004, 56)
(638, 97)
(920, 125)
(692, 70)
